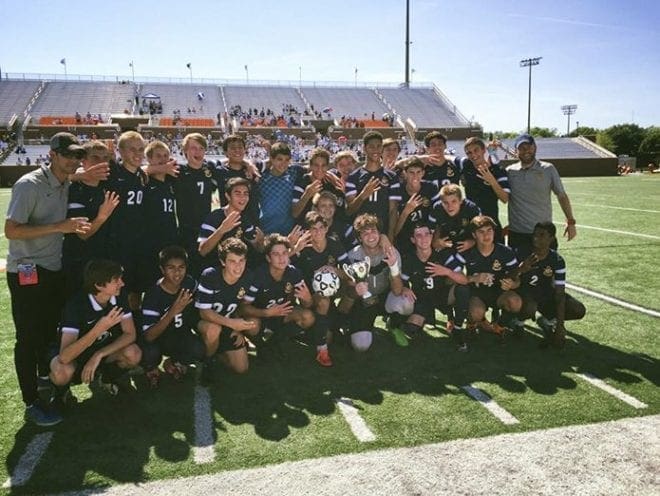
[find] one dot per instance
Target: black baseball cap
(67, 144)
(524, 138)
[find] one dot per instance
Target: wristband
(395, 270)
(570, 222)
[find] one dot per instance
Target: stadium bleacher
(14, 98)
(205, 99)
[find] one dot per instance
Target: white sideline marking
(204, 449)
(617, 208)
(490, 405)
(616, 231)
(615, 301)
(357, 424)
(29, 461)
(599, 383)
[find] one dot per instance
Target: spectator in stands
(531, 182)
(275, 190)
(372, 188)
(35, 224)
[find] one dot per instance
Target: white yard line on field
(599, 383)
(29, 461)
(614, 301)
(489, 404)
(204, 448)
(615, 231)
(357, 424)
(617, 208)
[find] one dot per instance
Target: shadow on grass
(112, 439)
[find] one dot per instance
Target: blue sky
(602, 56)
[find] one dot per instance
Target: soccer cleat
(42, 417)
(547, 326)
(175, 369)
(99, 386)
(518, 328)
(400, 337)
(153, 377)
(323, 357)
(462, 347)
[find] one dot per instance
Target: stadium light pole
(407, 80)
(568, 110)
(247, 75)
(529, 63)
(299, 76)
(356, 71)
(189, 66)
(132, 71)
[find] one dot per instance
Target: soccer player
(543, 283)
(234, 148)
(326, 253)
(275, 189)
(223, 327)
(488, 266)
(97, 333)
(193, 189)
(316, 180)
(435, 281)
(168, 319)
(439, 170)
(159, 209)
(451, 220)
(418, 198)
(278, 294)
(372, 188)
(384, 277)
(126, 234)
(325, 203)
(391, 151)
(87, 198)
(485, 183)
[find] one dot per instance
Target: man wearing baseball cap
(531, 182)
(35, 226)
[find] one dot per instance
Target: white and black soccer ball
(325, 283)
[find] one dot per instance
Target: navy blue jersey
(224, 173)
(310, 260)
(264, 291)
(545, 275)
(215, 293)
(246, 232)
(501, 261)
(447, 173)
(193, 190)
(413, 272)
(479, 191)
(431, 196)
(378, 203)
(299, 189)
(127, 222)
(455, 228)
(157, 302)
(160, 214)
(84, 201)
(81, 314)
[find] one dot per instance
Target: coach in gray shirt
(35, 225)
(531, 182)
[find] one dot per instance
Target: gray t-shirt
(37, 198)
(379, 278)
(529, 202)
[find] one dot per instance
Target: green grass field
(407, 396)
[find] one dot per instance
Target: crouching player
(543, 282)
(97, 333)
(219, 294)
(364, 300)
(488, 266)
(323, 253)
(436, 281)
(278, 295)
(168, 319)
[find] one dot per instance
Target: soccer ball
(325, 282)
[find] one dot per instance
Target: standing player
(168, 319)
(439, 170)
(220, 292)
(278, 294)
(488, 266)
(373, 189)
(97, 332)
(452, 218)
(418, 198)
(543, 283)
(436, 281)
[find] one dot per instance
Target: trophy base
(368, 299)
